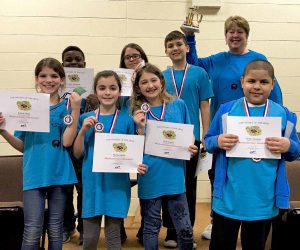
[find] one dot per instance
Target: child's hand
(88, 123)
(193, 149)
(227, 141)
(278, 145)
(75, 101)
(2, 120)
(93, 101)
(140, 119)
(142, 169)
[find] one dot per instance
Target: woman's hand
(142, 169)
(227, 141)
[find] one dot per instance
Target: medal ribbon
(162, 115)
(247, 110)
(178, 94)
(113, 122)
(68, 99)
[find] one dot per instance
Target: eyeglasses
(133, 56)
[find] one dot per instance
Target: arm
(276, 94)
(12, 140)
(71, 130)
(78, 147)
(205, 118)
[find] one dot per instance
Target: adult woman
(225, 70)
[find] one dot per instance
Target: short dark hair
(72, 48)
(260, 64)
(133, 46)
(174, 35)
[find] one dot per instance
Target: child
(104, 194)
(47, 167)
(132, 57)
(165, 177)
(73, 56)
(191, 84)
(249, 193)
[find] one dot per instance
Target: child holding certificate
(47, 167)
(248, 192)
(104, 194)
(191, 84)
(165, 176)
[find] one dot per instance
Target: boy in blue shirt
(191, 84)
(249, 192)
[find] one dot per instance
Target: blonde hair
(137, 98)
(238, 21)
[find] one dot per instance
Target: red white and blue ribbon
(113, 122)
(247, 110)
(178, 94)
(162, 114)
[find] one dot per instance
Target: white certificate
(125, 76)
(204, 162)
(79, 77)
(25, 111)
(117, 153)
(252, 132)
(169, 140)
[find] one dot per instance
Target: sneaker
(195, 245)
(171, 238)
(206, 234)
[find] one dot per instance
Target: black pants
(191, 191)
(69, 215)
(225, 233)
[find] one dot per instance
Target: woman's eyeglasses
(133, 56)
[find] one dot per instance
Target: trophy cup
(189, 24)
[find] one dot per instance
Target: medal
(247, 112)
(99, 127)
(178, 94)
(68, 119)
(145, 107)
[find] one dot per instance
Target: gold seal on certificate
(189, 23)
(99, 127)
(68, 119)
(145, 107)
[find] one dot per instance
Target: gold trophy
(189, 24)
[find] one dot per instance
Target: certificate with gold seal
(252, 132)
(125, 76)
(169, 140)
(79, 77)
(116, 153)
(25, 111)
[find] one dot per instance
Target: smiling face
(73, 59)
(176, 50)
(236, 39)
(132, 58)
(49, 81)
(257, 85)
(150, 87)
(108, 91)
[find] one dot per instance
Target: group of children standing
(174, 95)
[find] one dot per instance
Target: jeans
(191, 191)
(92, 228)
(34, 209)
(178, 209)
